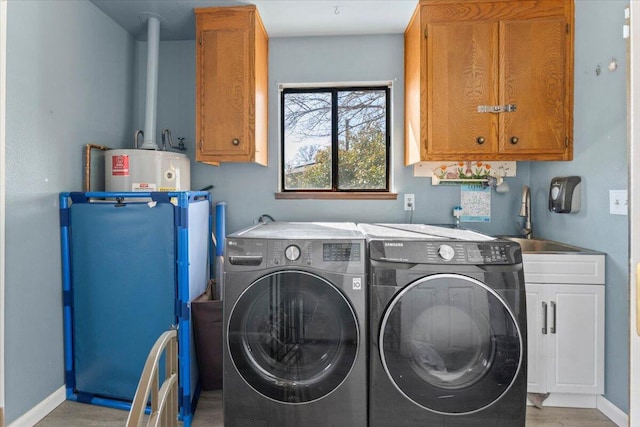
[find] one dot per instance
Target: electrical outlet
(409, 202)
(618, 202)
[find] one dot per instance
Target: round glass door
(450, 344)
(293, 336)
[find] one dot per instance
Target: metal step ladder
(164, 397)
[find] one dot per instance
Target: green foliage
(361, 167)
(316, 176)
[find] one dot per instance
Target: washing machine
(448, 328)
(294, 347)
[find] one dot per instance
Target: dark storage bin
(207, 331)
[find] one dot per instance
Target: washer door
(450, 344)
(293, 336)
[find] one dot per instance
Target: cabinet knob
(514, 140)
(235, 141)
(480, 140)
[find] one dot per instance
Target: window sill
(335, 195)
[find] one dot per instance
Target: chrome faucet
(525, 211)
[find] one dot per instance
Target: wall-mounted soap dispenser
(564, 194)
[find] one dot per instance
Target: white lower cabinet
(565, 338)
(565, 326)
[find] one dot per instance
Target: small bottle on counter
(457, 213)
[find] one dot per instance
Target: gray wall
(600, 158)
(69, 82)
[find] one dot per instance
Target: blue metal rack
(104, 283)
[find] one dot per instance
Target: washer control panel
(334, 255)
(341, 251)
(292, 253)
(310, 252)
(283, 252)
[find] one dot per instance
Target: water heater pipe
(87, 163)
(153, 46)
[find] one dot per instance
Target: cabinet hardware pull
(544, 317)
(514, 140)
(235, 141)
(509, 108)
(553, 315)
(480, 140)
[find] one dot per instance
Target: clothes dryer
(295, 326)
(447, 328)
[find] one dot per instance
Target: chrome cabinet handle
(509, 108)
(553, 314)
(544, 317)
(480, 140)
(235, 141)
(514, 140)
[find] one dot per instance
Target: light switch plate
(618, 204)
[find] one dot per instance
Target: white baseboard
(566, 400)
(612, 412)
(569, 400)
(42, 409)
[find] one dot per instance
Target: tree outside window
(335, 139)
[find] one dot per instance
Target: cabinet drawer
(564, 268)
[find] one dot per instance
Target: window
(335, 139)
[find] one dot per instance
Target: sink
(537, 245)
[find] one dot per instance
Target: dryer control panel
(445, 252)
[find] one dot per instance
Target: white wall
(69, 83)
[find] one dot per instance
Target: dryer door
(293, 336)
(450, 344)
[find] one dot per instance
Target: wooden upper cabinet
(533, 70)
(467, 60)
(461, 66)
(231, 85)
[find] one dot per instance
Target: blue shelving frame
(186, 291)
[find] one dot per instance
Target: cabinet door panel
(536, 340)
(489, 53)
(226, 102)
(575, 356)
(533, 77)
(461, 69)
(232, 54)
